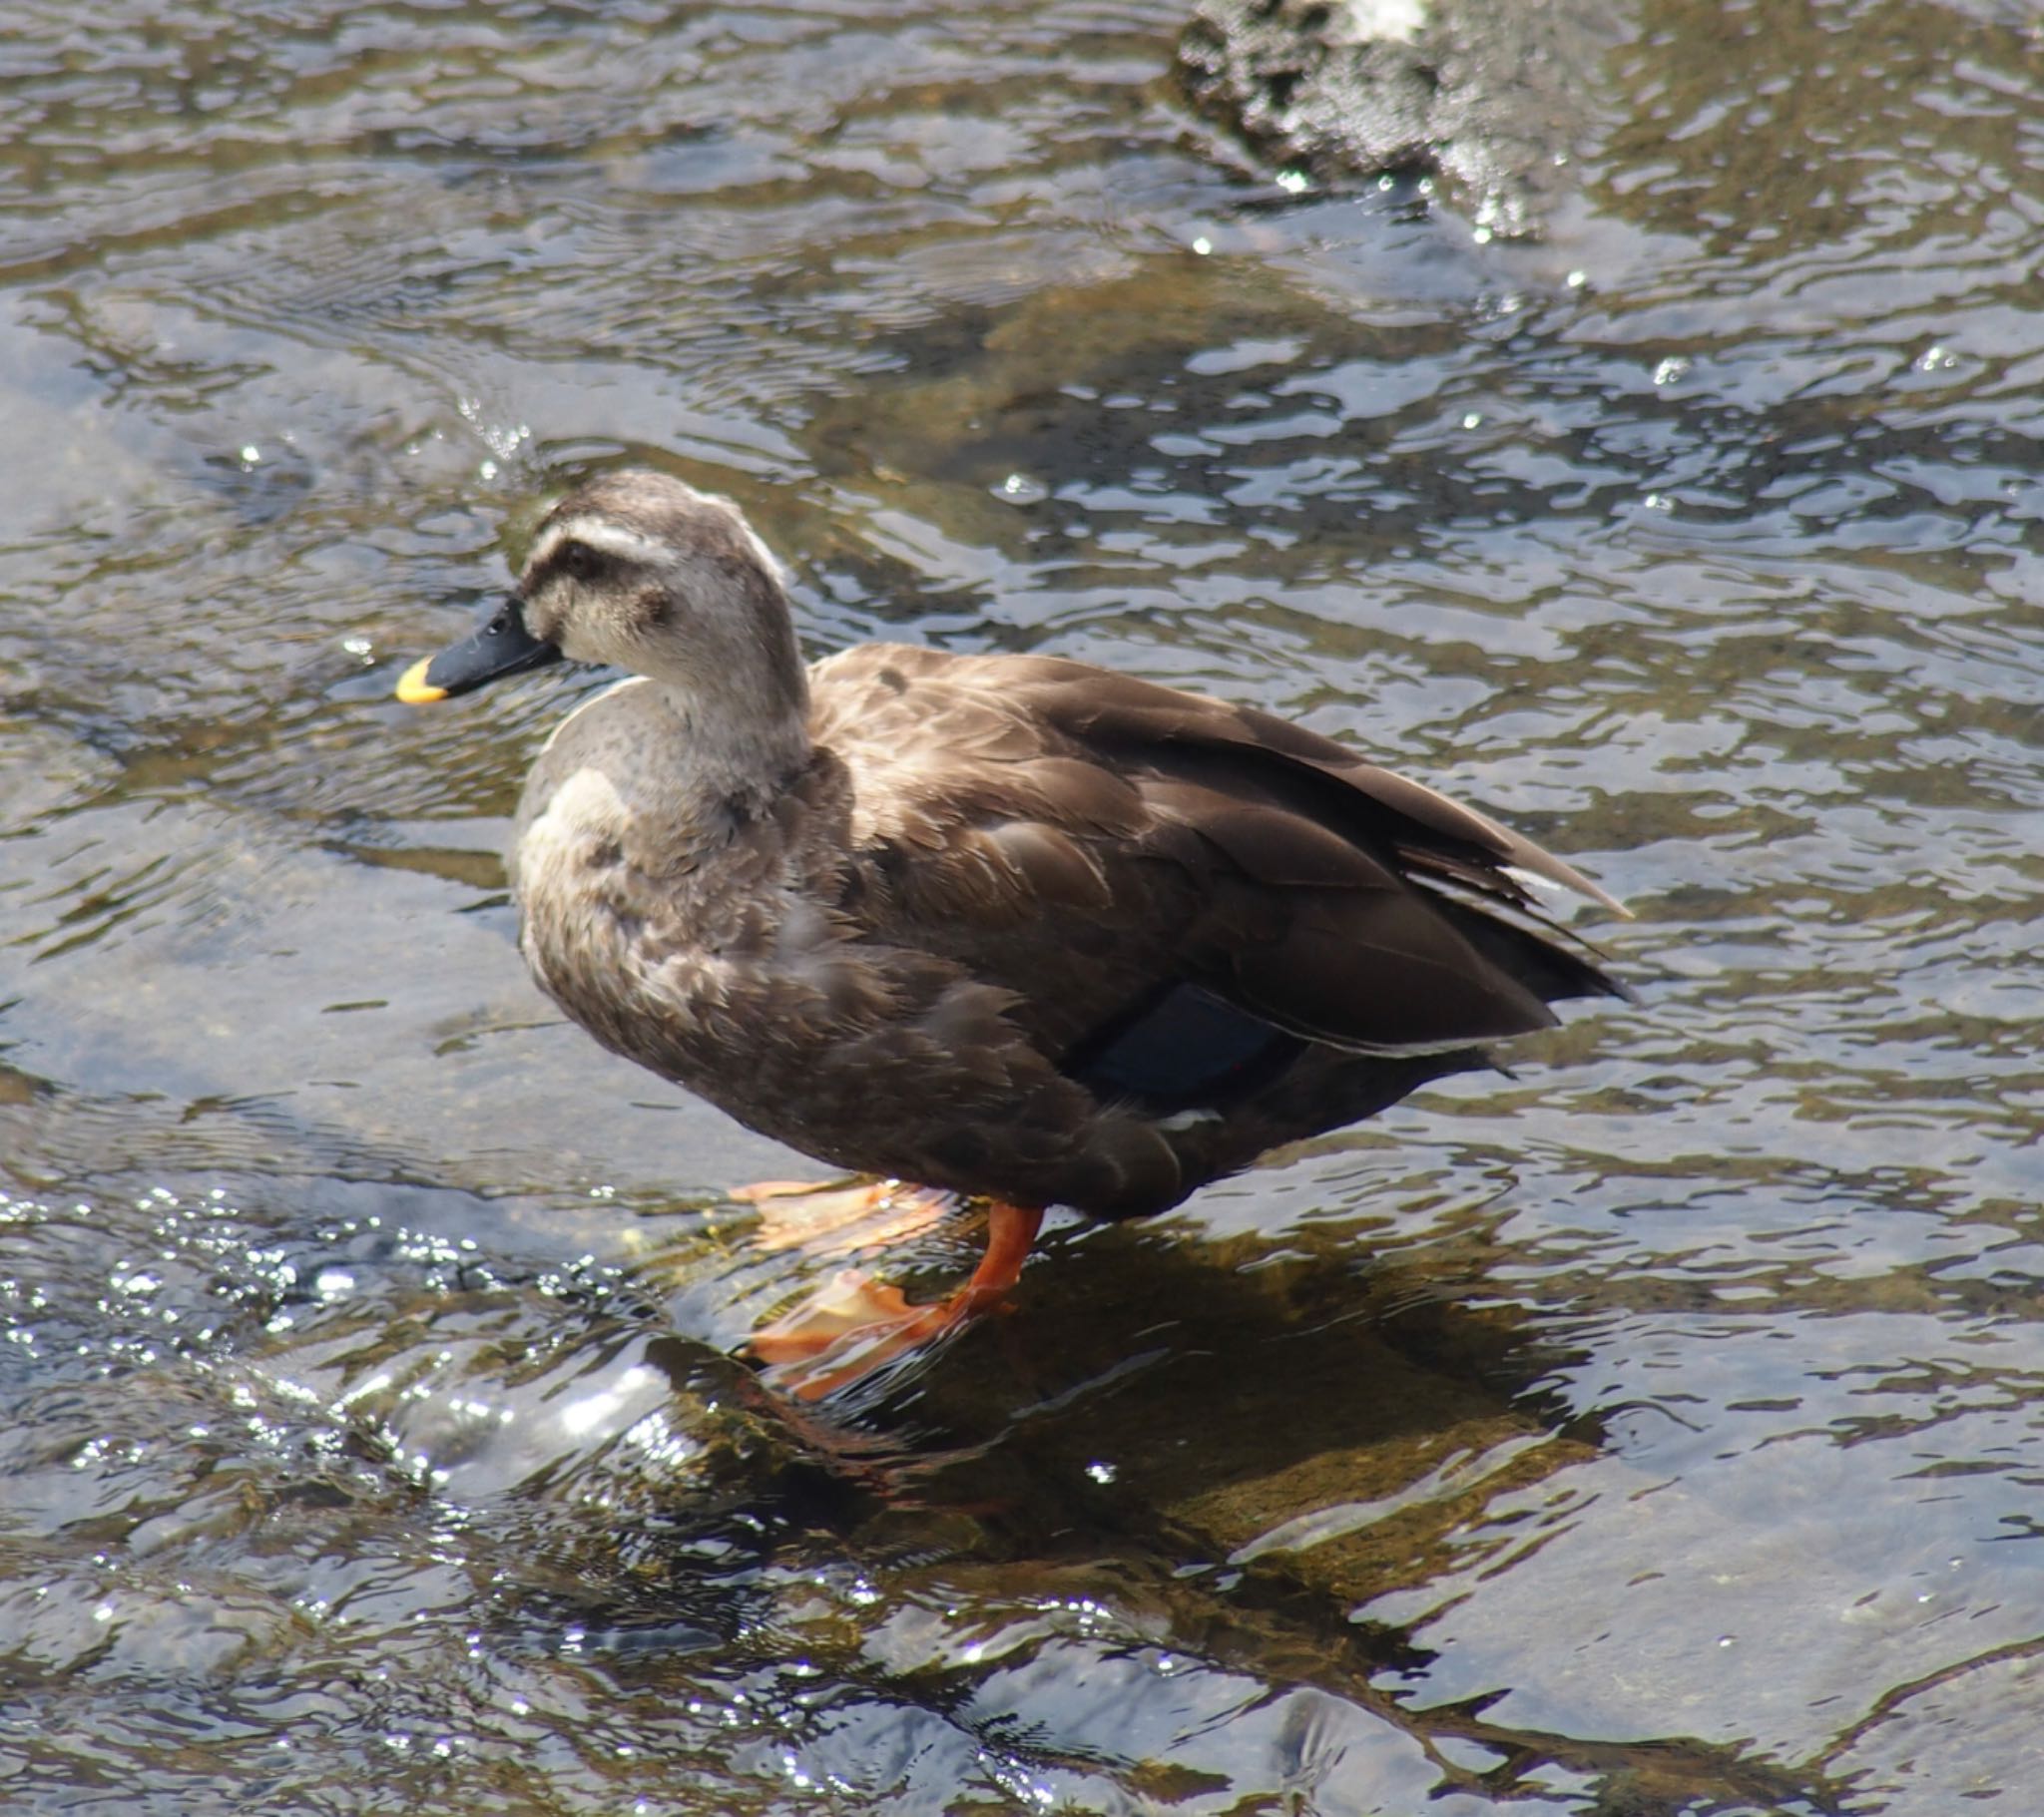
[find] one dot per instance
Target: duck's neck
(735, 757)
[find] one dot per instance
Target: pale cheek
(573, 645)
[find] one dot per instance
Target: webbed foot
(854, 1324)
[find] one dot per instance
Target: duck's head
(638, 570)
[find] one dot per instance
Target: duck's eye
(577, 560)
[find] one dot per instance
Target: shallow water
(1655, 1431)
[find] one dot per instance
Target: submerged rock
(1488, 98)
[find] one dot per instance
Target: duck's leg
(855, 1324)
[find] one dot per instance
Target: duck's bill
(500, 645)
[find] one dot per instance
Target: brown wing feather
(1039, 819)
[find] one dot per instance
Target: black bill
(500, 645)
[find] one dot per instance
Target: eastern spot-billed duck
(1009, 925)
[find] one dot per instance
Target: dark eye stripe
(577, 560)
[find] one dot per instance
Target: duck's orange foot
(845, 1331)
(855, 1324)
(836, 1216)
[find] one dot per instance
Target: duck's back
(1019, 808)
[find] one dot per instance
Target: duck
(1010, 926)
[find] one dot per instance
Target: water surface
(1656, 1431)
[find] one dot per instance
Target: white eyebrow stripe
(599, 534)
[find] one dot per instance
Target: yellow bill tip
(415, 689)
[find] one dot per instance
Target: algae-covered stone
(1490, 99)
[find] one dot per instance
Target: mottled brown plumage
(1010, 925)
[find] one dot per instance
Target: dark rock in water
(1488, 96)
